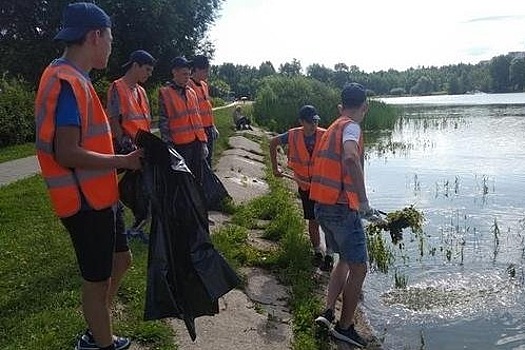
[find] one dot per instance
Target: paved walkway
(18, 169)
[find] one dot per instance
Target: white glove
(370, 214)
(205, 151)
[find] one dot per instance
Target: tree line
(501, 74)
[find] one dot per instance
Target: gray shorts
(343, 231)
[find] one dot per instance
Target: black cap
(141, 57)
(201, 62)
(308, 113)
(353, 95)
(180, 62)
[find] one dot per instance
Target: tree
(266, 69)
(319, 72)
(499, 73)
(166, 28)
(517, 74)
(291, 68)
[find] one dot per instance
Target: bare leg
(338, 279)
(351, 293)
(96, 311)
(121, 264)
(313, 231)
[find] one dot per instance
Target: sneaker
(87, 342)
(328, 263)
(348, 335)
(317, 260)
(325, 319)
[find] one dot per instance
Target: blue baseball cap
(180, 62)
(353, 95)
(79, 18)
(308, 113)
(141, 57)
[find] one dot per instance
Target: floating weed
(400, 280)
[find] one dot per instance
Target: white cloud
(373, 34)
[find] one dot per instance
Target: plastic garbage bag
(186, 275)
(214, 191)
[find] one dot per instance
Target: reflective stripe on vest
(99, 187)
(135, 114)
(331, 183)
(299, 159)
(203, 99)
(184, 121)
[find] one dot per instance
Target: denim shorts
(343, 231)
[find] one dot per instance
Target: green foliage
(217, 102)
(17, 120)
(380, 116)
(101, 86)
(166, 28)
(279, 99)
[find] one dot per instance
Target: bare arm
(274, 142)
(116, 129)
(69, 154)
(352, 160)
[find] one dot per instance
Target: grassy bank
(16, 152)
(40, 286)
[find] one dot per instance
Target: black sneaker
(317, 260)
(328, 263)
(348, 335)
(87, 342)
(325, 319)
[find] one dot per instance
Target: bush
(279, 99)
(17, 120)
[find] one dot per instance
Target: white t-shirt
(351, 132)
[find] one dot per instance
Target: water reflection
(464, 168)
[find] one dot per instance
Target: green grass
(40, 287)
(16, 152)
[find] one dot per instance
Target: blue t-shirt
(309, 141)
(67, 112)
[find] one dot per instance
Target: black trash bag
(186, 275)
(214, 191)
(133, 195)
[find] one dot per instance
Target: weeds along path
(256, 315)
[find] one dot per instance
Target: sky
(373, 35)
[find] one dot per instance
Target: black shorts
(95, 241)
(308, 205)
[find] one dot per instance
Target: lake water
(461, 161)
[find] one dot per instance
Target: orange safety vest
(331, 183)
(65, 185)
(299, 160)
(203, 97)
(184, 121)
(135, 113)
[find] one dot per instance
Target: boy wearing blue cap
(78, 163)
(302, 144)
(338, 188)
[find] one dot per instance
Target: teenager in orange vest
(180, 123)
(338, 188)
(129, 111)
(302, 143)
(75, 153)
(199, 83)
(128, 105)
